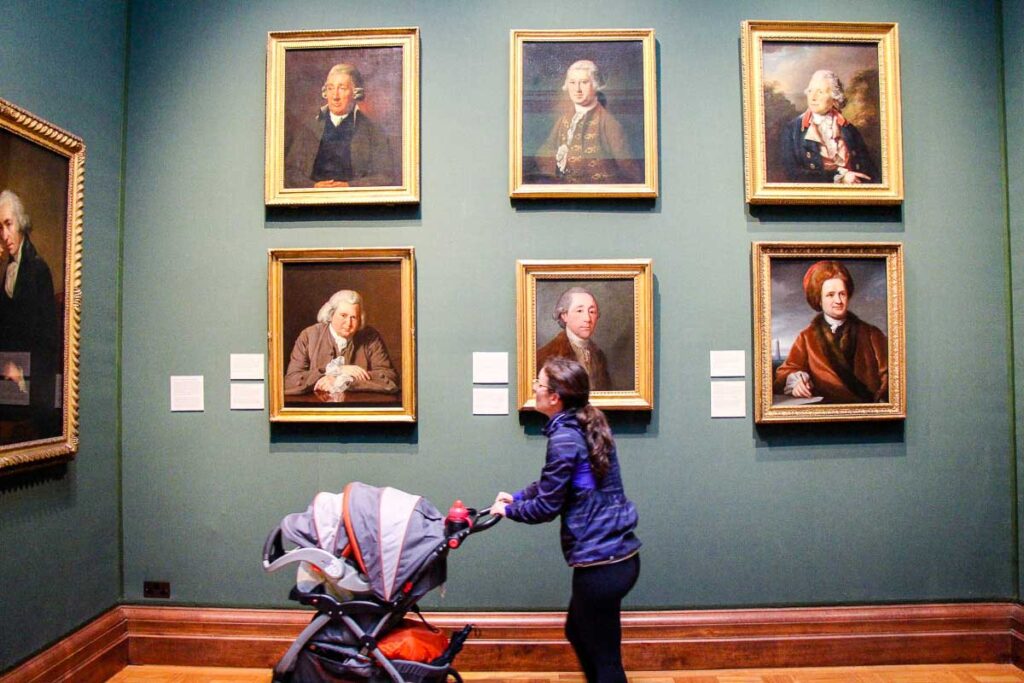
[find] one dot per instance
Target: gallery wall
(731, 514)
(1013, 88)
(64, 61)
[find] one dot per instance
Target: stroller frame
(366, 620)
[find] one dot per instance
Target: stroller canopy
(388, 533)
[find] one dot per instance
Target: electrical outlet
(156, 589)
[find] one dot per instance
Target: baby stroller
(366, 556)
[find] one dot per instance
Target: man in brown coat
(587, 144)
(339, 352)
(838, 357)
(577, 314)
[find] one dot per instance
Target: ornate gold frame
(758, 190)
(27, 454)
(519, 189)
(639, 272)
(763, 253)
(280, 42)
(278, 259)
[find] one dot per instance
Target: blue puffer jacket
(597, 523)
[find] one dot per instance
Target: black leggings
(593, 625)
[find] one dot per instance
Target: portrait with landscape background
(788, 68)
(821, 113)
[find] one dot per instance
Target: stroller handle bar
(483, 519)
(480, 520)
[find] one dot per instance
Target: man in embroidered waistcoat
(587, 144)
(341, 146)
(30, 334)
(340, 353)
(820, 145)
(838, 357)
(577, 314)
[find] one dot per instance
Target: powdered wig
(342, 296)
(816, 276)
(14, 201)
(834, 84)
(589, 67)
(564, 301)
(353, 73)
(570, 381)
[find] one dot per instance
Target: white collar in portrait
(580, 111)
(336, 119)
(832, 322)
(340, 342)
(578, 342)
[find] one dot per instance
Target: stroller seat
(365, 557)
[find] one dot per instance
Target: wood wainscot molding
(522, 641)
(92, 654)
(1017, 635)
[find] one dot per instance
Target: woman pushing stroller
(581, 482)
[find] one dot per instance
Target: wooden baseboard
(511, 641)
(92, 654)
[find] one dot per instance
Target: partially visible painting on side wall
(41, 193)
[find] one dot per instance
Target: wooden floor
(952, 673)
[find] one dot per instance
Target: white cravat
(581, 347)
(833, 322)
(576, 118)
(12, 272)
(336, 119)
(340, 343)
(826, 124)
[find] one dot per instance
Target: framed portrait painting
(343, 117)
(599, 313)
(42, 185)
(583, 120)
(828, 332)
(342, 341)
(821, 113)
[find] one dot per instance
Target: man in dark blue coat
(820, 145)
(341, 147)
(29, 329)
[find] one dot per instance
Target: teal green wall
(60, 557)
(1013, 68)
(731, 514)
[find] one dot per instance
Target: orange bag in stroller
(413, 641)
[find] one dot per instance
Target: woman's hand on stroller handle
(483, 519)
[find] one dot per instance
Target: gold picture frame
(612, 151)
(795, 155)
(856, 371)
(335, 357)
(43, 167)
(374, 75)
(620, 350)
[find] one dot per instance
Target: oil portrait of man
(822, 113)
(30, 331)
(590, 322)
(342, 117)
(840, 356)
(340, 352)
(39, 230)
(342, 334)
(583, 113)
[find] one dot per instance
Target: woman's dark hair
(570, 381)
